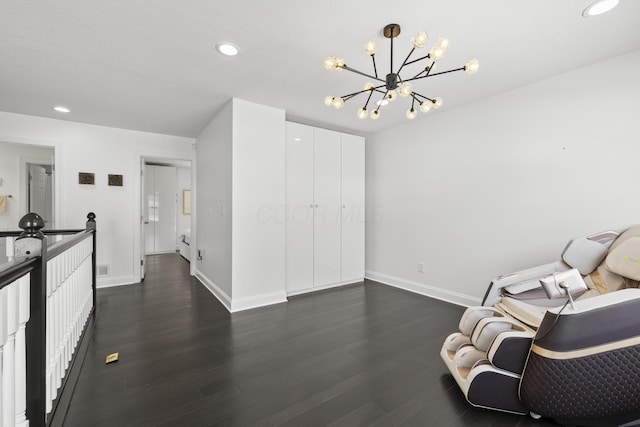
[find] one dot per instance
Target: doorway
(165, 220)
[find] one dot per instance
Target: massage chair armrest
(495, 291)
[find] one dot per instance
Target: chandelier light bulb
(411, 113)
(443, 44)
(436, 53)
(368, 86)
(392, 95)
(420, 39)
(370, 48)
(333, 63)
(437, 102)
(375, 114)
(362, 113)
(425, 106)
(471, 67)
(328, 101)
(338, 103)
(404, 90)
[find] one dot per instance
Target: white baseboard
(238, 304)
(422, 289)
(215, 290)
(322, 287)
(108, 282)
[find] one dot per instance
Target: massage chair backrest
(609, 260)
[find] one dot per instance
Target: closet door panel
(327, 239)
(299, 228)
(353, 207)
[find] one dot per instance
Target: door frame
(139, 244)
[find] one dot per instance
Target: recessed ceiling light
(228, 49)
(382, 102)
(61, 109)
(599, 7)
(297, 139)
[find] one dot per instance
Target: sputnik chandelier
(393, 84)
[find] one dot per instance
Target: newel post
(32, 243)
(91, 225)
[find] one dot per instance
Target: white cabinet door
(353, 208)
(326, 193)
(299, 229)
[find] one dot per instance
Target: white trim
(422, 289)
(108, 282)
(323, 287)
(239, 304)
(214, 289)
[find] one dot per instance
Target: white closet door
(299, 229)
(327, 240)
(165, 227)
(353, 208)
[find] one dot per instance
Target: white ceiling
(151, 65)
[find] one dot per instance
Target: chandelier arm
(406, 59)
(380, 104)
(437, 74)
(353, 70)
(368, 99)
(416, 95)
(416, 60)
(375, 69)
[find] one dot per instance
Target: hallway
(364, 354)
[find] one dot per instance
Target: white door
(166, 207)
(353, 208)
(327, 205)
(160, 205)
(299, 228)
(38, 192)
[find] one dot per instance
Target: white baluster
(21, 353)
(8, 358)
(3, 339)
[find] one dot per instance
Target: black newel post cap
(91, 221)
(31, 223)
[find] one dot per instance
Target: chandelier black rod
(416, 94)
(406, 59)
(368, 99)
(428, 55)
(353, 70)
(375, 69)
(436, 74)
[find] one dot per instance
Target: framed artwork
(186, 202)
(115, 180)
(86, 178)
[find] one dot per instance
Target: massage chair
(561, 340)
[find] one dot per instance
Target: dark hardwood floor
(360, 355)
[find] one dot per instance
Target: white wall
(240, 176)
(503, 184)
(101, 150)
(259, 166)
(213, 210)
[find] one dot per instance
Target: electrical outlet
(420, 267)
